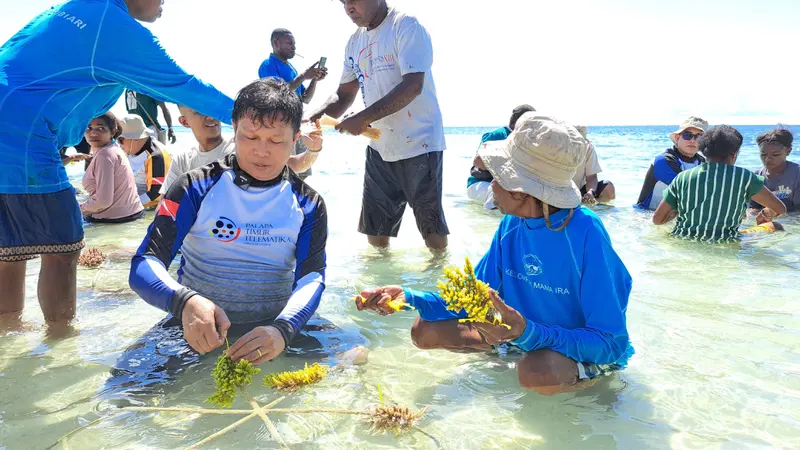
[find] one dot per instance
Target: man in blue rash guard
(564, 290)
(252, 236)
(67, 66)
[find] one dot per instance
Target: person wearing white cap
(665, 167)
(150, 161)
(558, 283)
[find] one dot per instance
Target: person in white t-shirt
(592, 190)
(389, 60)
(211, 146)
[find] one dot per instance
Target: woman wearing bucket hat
(665, 167)
(548, 251)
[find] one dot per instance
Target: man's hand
(380, 299)
(171, 136)
(765, 215)
(258, 346)
(498, 334)
(200, 319)
(354, 125)
(313, 140)
(314, 73)
(589, 198)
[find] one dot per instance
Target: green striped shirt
(711, 200)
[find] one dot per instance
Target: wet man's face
(361, 12)
(145, 10)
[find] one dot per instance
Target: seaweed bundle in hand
(228, 377)
(463, 291)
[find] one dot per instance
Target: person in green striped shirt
(710, 201)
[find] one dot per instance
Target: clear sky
(598, 62)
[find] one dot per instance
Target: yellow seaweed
(463, 291)
(297, 379)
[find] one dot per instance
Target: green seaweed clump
(463, 291)
(294, 380)
(228, 377)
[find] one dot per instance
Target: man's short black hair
(517, 113)
(781, 136)
(279, 33)
(267, 100)
(720, 142)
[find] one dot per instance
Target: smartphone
(322, 62)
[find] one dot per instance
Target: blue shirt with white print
(570, 286)
(69, 65)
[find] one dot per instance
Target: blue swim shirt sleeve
(129, 54)
(604, 290)
(499, 134)
(432, 308)
(309, 275)
(176, 213)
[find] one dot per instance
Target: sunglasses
(688, 135)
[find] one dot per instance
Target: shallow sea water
(716, 330)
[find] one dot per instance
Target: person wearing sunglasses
(665, 167)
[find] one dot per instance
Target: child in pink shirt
(109, 179)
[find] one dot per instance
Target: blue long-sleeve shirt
(570, 286)
(256, 249)
(69, 65)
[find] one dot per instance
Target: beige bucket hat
(133, 127)
(691, 122)
(539, 159)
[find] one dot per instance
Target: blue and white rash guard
(69, 65)
(256, 249)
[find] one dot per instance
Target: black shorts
(388, 186)
(600, 186)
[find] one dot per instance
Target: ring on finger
(259, 353)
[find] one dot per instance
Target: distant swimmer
(47, 98)
(665, 167)
(710, 201)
